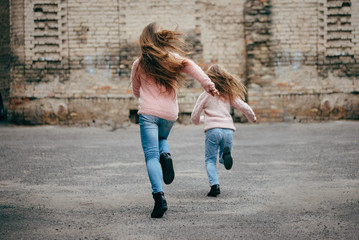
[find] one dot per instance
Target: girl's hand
(213, 91)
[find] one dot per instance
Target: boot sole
(213, 194)
(168, 173)
(228, 161)
(160, 214)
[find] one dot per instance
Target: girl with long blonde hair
(218, 122)
(156, 77)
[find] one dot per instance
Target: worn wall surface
(303, 59)
(77, 52)
(5, 56)
(71, 60)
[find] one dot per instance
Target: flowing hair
(228, 86)
(156, 60)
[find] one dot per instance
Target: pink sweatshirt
(217, 113)
(154, 100)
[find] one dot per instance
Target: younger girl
(218, 123)
(156, 77)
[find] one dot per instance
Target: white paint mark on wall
(296, 61)
(89, 65)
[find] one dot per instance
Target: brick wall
(5, 55)
(301, 63)
(72, 59)
(78, 52)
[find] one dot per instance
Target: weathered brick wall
(79, 52)
(72, 59)
(222, 36)
(70, 73)
(301, 63)
(5, 56)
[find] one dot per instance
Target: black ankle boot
(214, 191)
(227, 158)
(160, 205)
(167, 168)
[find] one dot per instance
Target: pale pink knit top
(153, 99)
(217, 112)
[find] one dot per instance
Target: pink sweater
(217, 113)
(154, 100)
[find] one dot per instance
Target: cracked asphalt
(288, 181)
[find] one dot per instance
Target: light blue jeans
(154, 134)
(216, 139)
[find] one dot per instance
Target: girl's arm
(136, 83)
(197, 110)
(197, 73)
(245, 109)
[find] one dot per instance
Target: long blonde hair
(228, 86)
(155, 60)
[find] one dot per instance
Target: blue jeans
(154, 134)
(216, 139)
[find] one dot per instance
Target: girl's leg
(168, 173)
(226, 142)
(164, 130)
(150, 146)
(228, 138)
(211, 151)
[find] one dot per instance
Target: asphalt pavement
(288, 181)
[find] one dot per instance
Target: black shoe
(167, 168)
(227, 158)
(160, 205)
(214, 191)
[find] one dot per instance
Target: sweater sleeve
(193, 70)
(245, 109)
(197, 110)
(136, 83)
